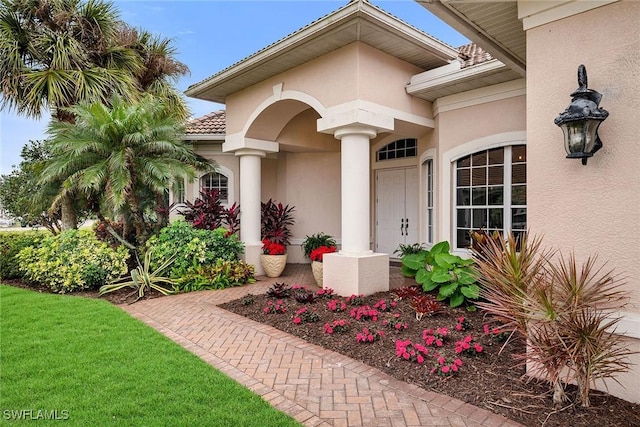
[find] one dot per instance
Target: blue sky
(210, 36)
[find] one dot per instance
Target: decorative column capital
(355, 121)
(236, 143)
(250, 152)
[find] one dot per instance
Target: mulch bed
(488, 380)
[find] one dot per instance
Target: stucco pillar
(250, 192)
(355, 197)
(251, 151)
(356, 269)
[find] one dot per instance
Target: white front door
(396, 209)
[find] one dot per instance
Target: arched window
(491, 192)
(216, 181)
(398, 150)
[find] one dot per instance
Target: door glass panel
(519, 154)
(463, 240)
(519, 218)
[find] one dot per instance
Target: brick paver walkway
(317, 387)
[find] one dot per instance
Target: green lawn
(95, 365)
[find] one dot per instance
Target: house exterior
(381, 135)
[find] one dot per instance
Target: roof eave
(446, 12)
(325, 26)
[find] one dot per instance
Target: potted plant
(273, 258)
(314, 247)
(276, 219)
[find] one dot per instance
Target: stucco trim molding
(483, 95)
(360, 104)
(365, 119)
(629, 324)
(450, 74)
(536, 13)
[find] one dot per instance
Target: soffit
(357, 21)
(494, 25)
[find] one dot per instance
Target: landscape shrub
(71, 261)
(452, 276)
(11, 243)
(198, 254)
(223, 274)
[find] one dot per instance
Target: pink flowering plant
(435, 337)
(367, 336)
(336, 306)
(364, 313)
(413, 352)
(463, 324)
(385, 305)
(305, 315)
(355, 299)
(468, 346)
(275, 307)
(327, 293)
(339, 326)
(393, 322)
(446, 367)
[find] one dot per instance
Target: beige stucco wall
(465, 130)
(356, 71)
(590, 209)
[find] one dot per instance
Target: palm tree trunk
(69, 214)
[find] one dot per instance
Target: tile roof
(212, 123)
(472, 54)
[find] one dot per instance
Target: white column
(250, 195)
(355, 173)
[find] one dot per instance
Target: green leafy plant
(414, 248)
(143, 278)
(71, 261)
(453, 276)
(221, 275)
(194, 250)
(11, 243)
(310, 243)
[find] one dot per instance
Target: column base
(252, 252)
(356, 274)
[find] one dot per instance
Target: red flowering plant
(338, 326)
(272, 248)
(407, 350)
(468, 346)
(393, 322)
(368, 336)
(305, 315)
(445, 367)
(317, 253)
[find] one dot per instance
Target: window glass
(398, 149)
(491, 192)
(216, 181)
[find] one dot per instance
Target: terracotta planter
(273, 265)
(316, 268)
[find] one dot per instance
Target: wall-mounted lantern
(581, 119)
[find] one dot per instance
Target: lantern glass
(580, 137)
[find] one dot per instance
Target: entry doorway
(396, 209)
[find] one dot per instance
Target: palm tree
(55, 53)
(122, 156)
